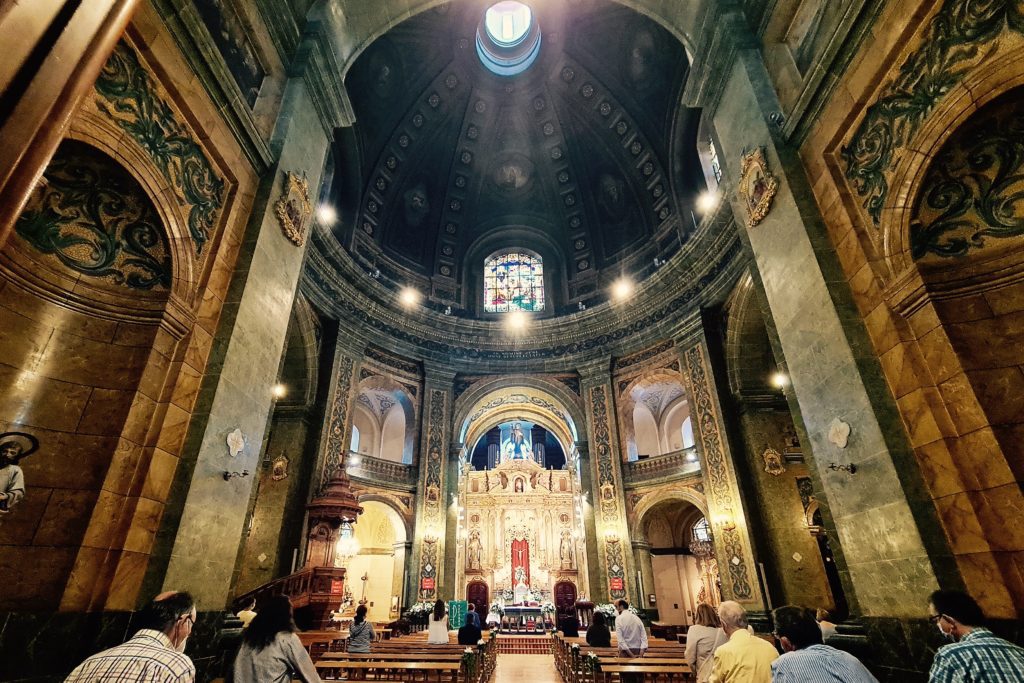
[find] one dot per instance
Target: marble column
(615, 572)
(645, 565)
(726, 514)
(433, 502)
(247, 353)
(892, 546)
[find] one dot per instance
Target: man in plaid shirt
(976, 655)
(154, 654)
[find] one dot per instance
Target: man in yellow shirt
(745, 658)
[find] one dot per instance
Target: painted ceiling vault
(585, 158)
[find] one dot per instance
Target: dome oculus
(507, 22)
(508, 39)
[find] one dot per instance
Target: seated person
(469, 634)
(598, 635)
(569, 626)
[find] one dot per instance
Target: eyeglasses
(934, 619)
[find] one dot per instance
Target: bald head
(733, 616)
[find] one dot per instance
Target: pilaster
(616, 575)
(726, 514)
(432, 497)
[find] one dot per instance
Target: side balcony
(649, 470)
(378, 472)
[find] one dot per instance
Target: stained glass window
(513, 281)
(702, 530)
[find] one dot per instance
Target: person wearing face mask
(975, 655)
(154, 654)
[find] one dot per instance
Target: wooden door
(478, 594)
(565, 597)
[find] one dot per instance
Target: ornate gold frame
(293, 209)
(755, 166)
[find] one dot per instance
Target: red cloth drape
(521, 558)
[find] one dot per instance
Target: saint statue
(473, 551)
(565, 550)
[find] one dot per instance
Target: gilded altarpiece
(520, 533)
(725, 508)
(617, 575)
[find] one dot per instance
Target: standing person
(806, 657)
(360, 633)
(472, 617)
(271, 652)
(247, 613)
(154, 654)
(630, 632)
(745, 658)
(975, 655)
(437, 630)
(598, 634)
(702, 639)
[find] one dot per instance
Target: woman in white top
(437, 632)
(702, 639)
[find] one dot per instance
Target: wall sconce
(447, 310)
(228, 476)
(836, 467)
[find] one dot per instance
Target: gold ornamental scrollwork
(293, 209)
(757, 186)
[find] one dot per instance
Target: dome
(583, 158)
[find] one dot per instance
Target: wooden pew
(650, 674)
(410, 672)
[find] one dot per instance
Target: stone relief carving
(235, 441)
(839, 433)
(952, 46)
(91, 215)
(279, 468)
(336, 443)
(129, 98)
(416, 204)
(974, 185)
(773, 462)
(293, 209)
(757, 186)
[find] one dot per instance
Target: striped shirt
(148, 657)
(820, 664)
(979, 657)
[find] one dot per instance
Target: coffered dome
(573, 149)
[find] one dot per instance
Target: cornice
(699, 275)
(317, 64)
(196, 46)
(725, 26)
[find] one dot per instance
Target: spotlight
(327, 214)
(780, 380)
(279, 391)
(354, 460)
(622, 288)
(409, 297)
(707, 201)
(516, 320)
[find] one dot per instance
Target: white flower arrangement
(547, 608)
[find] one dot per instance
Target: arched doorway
(684, 569)
(565, 597)
(375, 573)
(478, 594)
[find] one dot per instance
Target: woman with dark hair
(437, 631)
(598, 634)
(271, 652)
(360, 634)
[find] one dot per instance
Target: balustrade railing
(381, 472)
(676, 463)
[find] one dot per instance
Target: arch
(407, 526)
(354, 31)
(679, 495)
(749, 359)
(301, 356)
(674, 424)
(388, 406)
(959, 104)
(661, 388)
(546, 390)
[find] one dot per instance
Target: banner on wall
(457, 613)
(616, 583)
(427, 584)
(337, 586)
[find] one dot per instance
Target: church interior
(528, 304)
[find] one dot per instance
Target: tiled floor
(531, 668)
